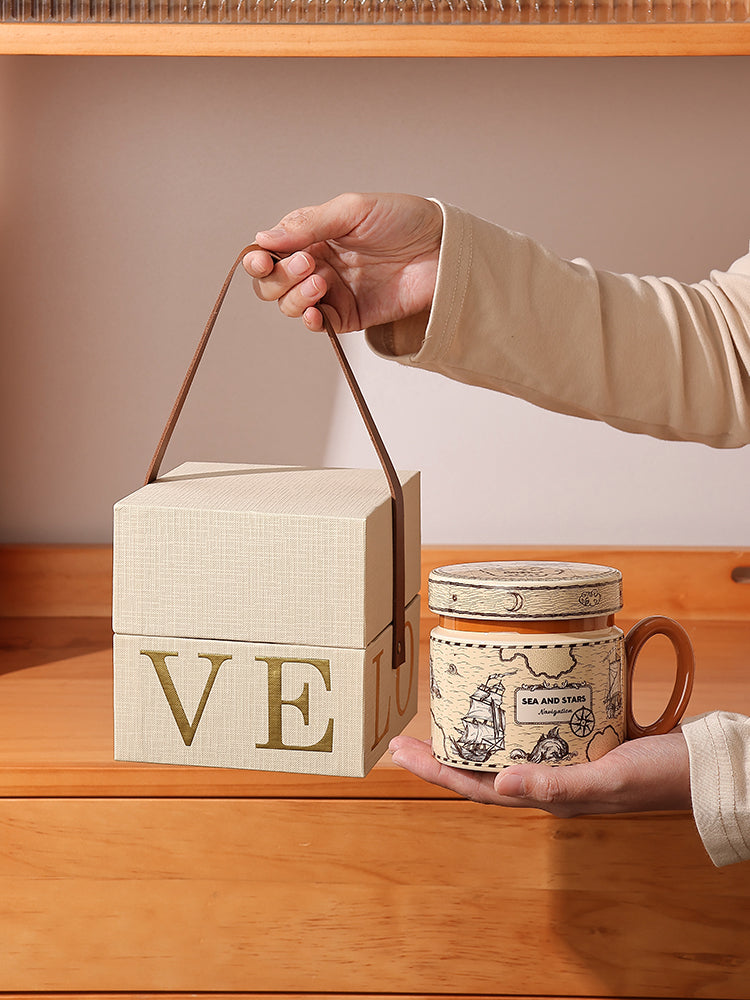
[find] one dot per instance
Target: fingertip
(300, 264)
(270, 235)
(395, 749)
(313, 319)
(511, 785)
(255, 265)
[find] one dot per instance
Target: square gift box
(252, 613)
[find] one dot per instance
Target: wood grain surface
(55, 580)
(240, 994)
(76, 581)
(142, 880)
(358, 41)
(360, 896)
(56, 726)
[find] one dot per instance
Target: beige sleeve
(648, 355)
(719, 748)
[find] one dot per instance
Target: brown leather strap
(394, 484)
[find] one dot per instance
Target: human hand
(372, 256)
(639, 775)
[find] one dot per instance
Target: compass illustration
(582, 722)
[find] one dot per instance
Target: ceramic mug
(527, 664)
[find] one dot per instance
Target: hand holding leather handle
(394, 484)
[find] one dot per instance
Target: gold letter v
(187, 729)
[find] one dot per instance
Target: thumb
(562, 791)
(648, 773)
(316, 224)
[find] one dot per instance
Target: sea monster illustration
(550, 748)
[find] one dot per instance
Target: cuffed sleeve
(719, 749)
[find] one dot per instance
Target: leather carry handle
(394, 484)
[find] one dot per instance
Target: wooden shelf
(56, 670)
(123, 879)
(320, 40)
(56, 718)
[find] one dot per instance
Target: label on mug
(555, 700)
(537, 704)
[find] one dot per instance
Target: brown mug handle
(635, 640)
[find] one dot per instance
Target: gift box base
(262, 706)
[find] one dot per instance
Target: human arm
(648, 355)
(440, 289)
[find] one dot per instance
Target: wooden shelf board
(63, 581)
(320, 40)
(56, 670)
(362, 897)
(131, 878)
(56, 718)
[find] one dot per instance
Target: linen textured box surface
(252, 614)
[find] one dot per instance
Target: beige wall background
(128, 185)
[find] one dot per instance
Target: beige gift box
(258, 553)
(266, 617)
(252, 614)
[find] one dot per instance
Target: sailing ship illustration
(484, 723)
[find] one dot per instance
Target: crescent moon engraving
(513, 601)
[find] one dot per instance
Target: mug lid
(521, 591)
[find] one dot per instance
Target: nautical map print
(494, 704)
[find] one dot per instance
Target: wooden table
(146, 879)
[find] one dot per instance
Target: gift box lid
(521, 590)
(262, 553)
